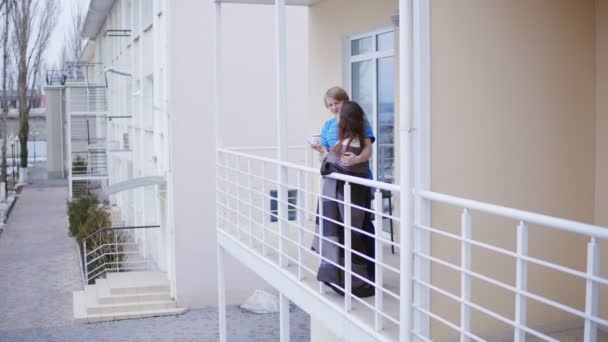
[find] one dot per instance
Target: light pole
(13, 160)
(35, 135)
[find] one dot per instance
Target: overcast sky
(57, 41)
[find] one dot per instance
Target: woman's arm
(350, 158)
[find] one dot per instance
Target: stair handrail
(85, 270)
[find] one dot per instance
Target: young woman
(351, 141)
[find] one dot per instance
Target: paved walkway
(38, 262)
(39, 269)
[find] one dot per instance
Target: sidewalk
(39, 269)
(38, 262)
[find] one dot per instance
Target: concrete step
(94, 307)
(104, 295)
(80, 315)
(125, 283)
(125, 295)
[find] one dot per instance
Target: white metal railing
(244, 214)
(244, 185)
(90, 163)
(589, 316)
(84, 73)
(114, 249)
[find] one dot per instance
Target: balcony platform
(357, 325)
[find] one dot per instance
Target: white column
(281, 107)
(406, 168)
(282, 144)
(68, 142)
(284, 317)
(221, 293)
(422, 156)
(218, 76)
(218, 144)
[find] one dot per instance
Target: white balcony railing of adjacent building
(249, 220)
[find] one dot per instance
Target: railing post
(116, 258)
(465, 279)
(300, 220)
(250, 200)
(237, 173)
(264, 205)
(592, 290)
(321, 235)
(379, 294)
(347, 248)
(521, 282)
(86, 266)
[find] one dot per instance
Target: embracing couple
(345, 147)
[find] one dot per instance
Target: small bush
(78, 212)
(79, 166)
(87, 216)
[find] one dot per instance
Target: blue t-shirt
(329, 136)
(329, 133)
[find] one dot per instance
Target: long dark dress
(334, 232)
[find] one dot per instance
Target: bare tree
(73, 40)
(5, 9)
(34, 21)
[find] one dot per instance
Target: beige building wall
(601, 171)
(513, 116)
(330, 23)
(250, 116)
(513, 123)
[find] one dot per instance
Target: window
(371, 69)
(125, 141)
(292, 196)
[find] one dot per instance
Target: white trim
(373, 56)
(381, 30)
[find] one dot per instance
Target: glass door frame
(373, 56)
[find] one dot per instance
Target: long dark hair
(351, 125)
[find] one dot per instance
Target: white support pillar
(406, 132)
(281, 107)
(521, 282)
(68, 142)
(219, 121)
(592, 290)
(422, 156)
(221, 293)
(284, 317)
(218, 144)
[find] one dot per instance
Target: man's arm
(350, 158)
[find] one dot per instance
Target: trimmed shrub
(78, 212)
